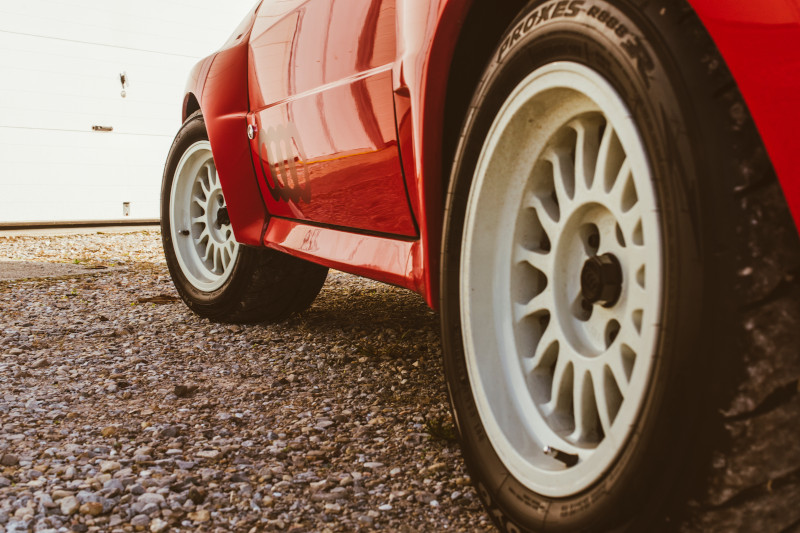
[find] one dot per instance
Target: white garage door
(61, 63)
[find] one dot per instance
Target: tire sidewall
(622, 44)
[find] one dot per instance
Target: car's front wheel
(214, 275)
(585, 264)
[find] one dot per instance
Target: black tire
(262, 285)
(696, 132)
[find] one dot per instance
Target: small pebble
(140, 520)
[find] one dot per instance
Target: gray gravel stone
(151, 497)
(158, 525)
(149, 509)
(59, 494)
(47, 501)
(140, 520)
(69, 505)
(9, 460)
(17, 526)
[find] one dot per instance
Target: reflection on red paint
(320, 71)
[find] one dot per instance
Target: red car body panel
(428, 33)
(760, 42)
(345, 168)
(389, 260)
(321, 97)
(219, 83)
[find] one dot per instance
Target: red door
(325, 144)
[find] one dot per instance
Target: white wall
(60, 62)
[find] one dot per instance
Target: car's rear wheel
(586, 262)
(214, 275)
(204, 245)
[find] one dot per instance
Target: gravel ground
(120, 410)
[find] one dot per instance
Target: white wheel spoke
(207, 255)
(561, 387)
(204, 186)
(544, 346)
(212, 176)
(582, 406)
(563, 176)
(603, 315)
(629, 337)
(618, 186)
(539, 260)
(540, 302)
(628, 223)
(603, 153)
(587, 145)
(201, 202)
(215, 254)
(601, 402)
(617, 367)
(545, 208)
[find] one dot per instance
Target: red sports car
(570, 182)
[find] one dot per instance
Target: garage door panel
(78, 180)
(81, 149)
(61, 62)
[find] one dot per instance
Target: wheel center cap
(222, 217)
(601, 280)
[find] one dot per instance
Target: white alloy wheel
(202, 236)
(561, 279)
